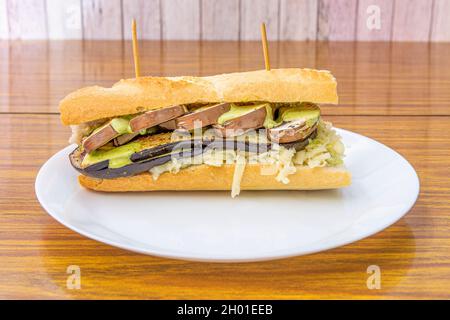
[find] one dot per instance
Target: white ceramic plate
(260, 225)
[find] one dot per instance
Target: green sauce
(118, 156)
(121, 125)
(310, 113)
(269, 122)
(236, 112)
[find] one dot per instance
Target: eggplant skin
(164, 149)
(128, 170)
(145, 160)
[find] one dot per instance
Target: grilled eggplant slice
(159, 149)
(135, 167)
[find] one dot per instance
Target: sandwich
(257, 130)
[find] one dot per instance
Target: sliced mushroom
(199, 118)
(169, 125)
(156, 117)
(291, 131)
(300, 144)
(125, 138)
(202, 117)
(99, 138)
(239, 125)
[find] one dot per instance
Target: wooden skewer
(265, 46)
(137, 66)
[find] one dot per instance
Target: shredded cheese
(287, 167)
(326, 150)
(239, 169)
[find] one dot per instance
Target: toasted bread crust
(147, 93)
(204, 177)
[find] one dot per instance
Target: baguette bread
(138, 95)
(204, 177)
(146, 93)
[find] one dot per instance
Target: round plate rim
(225, 259)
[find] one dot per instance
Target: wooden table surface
(398, 94)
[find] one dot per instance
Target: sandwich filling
(279, 137)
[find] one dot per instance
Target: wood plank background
(400, 20)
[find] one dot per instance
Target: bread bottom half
(204, 177)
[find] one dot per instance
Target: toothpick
(137, 66)
(265, 46)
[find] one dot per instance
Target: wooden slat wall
(401, 20)
(181, 19)
(220, 20)
(298, 19)
(4, 70)
(4, 30)
(440, 27)
(412, 20)
(102, 19)
(337, 19)
(64, 19)
(26, 19)
(253, 12)
(147, 13)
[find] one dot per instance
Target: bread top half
(137, 95)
